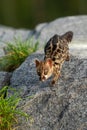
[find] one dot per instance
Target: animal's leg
(55, 78)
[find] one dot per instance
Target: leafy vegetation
(8, 110)
(16, 54)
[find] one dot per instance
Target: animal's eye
(45, 72)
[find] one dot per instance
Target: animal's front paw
(68, 58)
(53, 82)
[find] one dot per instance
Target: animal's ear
(68, 36)
(37, 62)
(49, 62)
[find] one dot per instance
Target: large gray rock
(62, 107)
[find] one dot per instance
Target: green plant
(16, 54)
(8, 110)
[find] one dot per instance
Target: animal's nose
(42, 78)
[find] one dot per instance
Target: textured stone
(62, 107)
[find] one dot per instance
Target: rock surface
(64, 106)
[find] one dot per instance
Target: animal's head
(44, 68)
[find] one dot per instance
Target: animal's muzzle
(42, 78)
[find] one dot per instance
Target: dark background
(29, 13)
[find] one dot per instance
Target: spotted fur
(56, 52)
